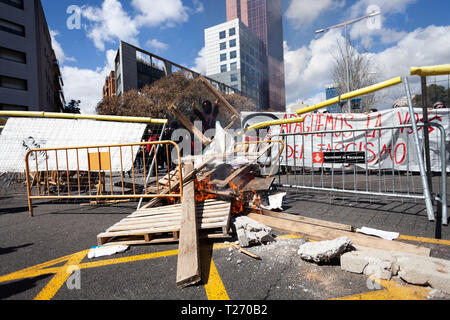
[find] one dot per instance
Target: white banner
(23, 134)
(385, 149)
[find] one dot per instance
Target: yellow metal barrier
(79, 116)
(351, 95)
(270, 123)
(324, 104)
(438, 70)
(81, 173)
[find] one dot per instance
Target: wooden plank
(237, 172)
(323, 233)
(292, 217)
(258, 184)
(186, 177)
(188, 267)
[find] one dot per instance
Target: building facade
(109, 88)
(331, 92)
(235, 56)
(135, 68)
(30, 77)
(265, 19)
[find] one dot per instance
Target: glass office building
(235, 56)
(332, 92)
(264, 18)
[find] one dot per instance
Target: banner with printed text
(335, 140)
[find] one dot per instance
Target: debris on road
(108, 250)
(250, 232)
(324, 251)
(379, 233)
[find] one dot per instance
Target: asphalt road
(61, 229)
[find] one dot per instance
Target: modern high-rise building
(235, 56)
(30, 77)
(135, 68)
(265, 19)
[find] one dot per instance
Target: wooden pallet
(163, 224)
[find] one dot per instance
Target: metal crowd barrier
(103, 173)
(361, 179)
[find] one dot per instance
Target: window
(13, 55)
(223, 57)
(233, 55)
(233, 43)
(233, 66)
(223, 46)
(223, 68)
(15, 3)
(13, 83)
(222, 35)
(232, 32)
(12, 27)
(233, 77)
(13, 107)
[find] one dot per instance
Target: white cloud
(157, 45)
(386, 6)
(59, 52)
(153, 13)
(86, 84)
(370, 30)
(304, 12)
(109, 23)
(308, 69)
(200, 62)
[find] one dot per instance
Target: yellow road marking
(215, 290)
(60, 277)
(426, 240)
(108, 262)
(392, 291)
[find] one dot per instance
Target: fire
(204, 190)
(201, 190)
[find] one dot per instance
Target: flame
(201, 190)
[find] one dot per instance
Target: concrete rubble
(251, 232)
(413, 269)
(324, 251)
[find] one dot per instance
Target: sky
(408, 33)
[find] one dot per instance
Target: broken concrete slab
(425, 271)
(413, 269)
(371, 262)
(250, 232)
(324, 251)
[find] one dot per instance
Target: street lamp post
(347, 58)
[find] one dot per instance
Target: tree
(72, 107)
(154, 100)
(436, 93)
(362, 73)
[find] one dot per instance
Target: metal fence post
(423, 174)
(153, 164)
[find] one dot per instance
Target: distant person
(373, 110)
(439, 105)
(208, 114)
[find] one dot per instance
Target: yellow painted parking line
(392, 291)
(214, 287)
(425, 240)
(102, 263)
(215, 290)
(60, 277)
(37, 270)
